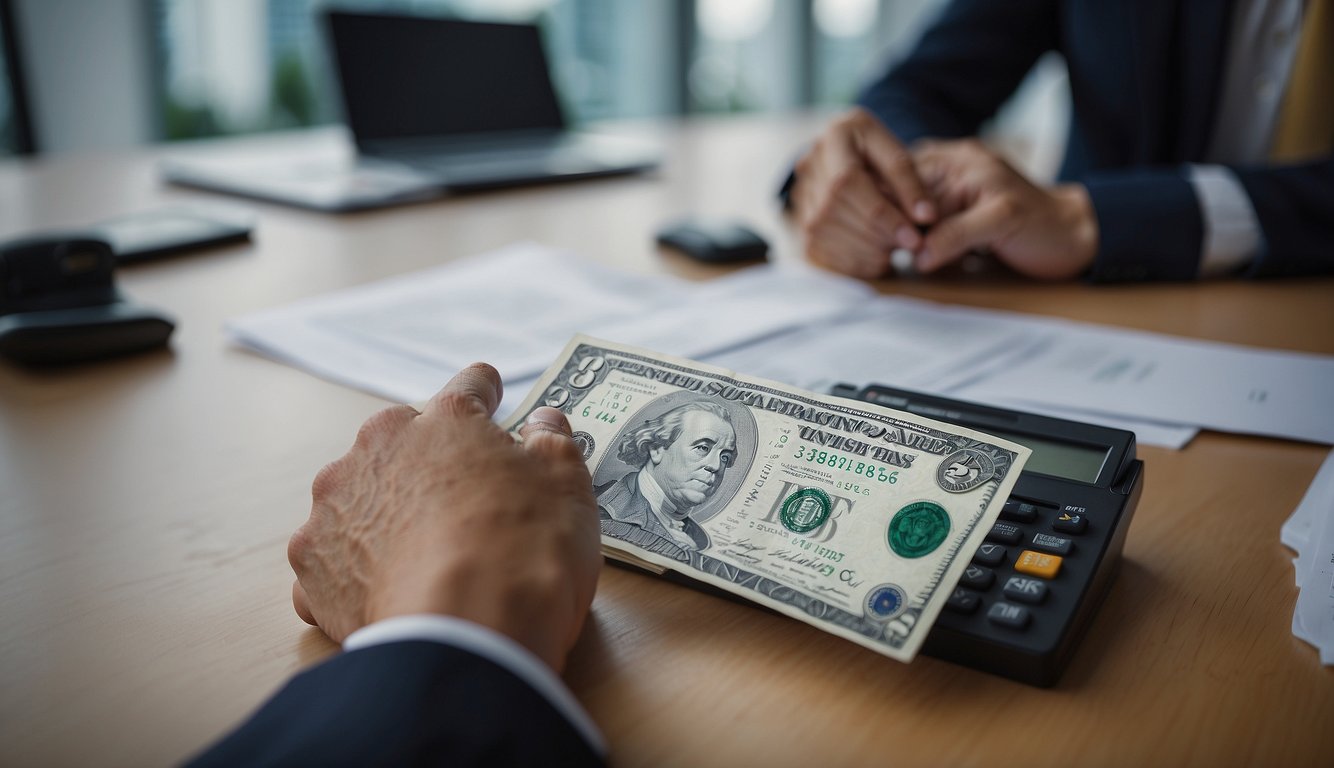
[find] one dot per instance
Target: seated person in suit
(1199, 145)
(681, 456)
(456, 567)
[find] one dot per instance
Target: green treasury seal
(805, 510)
(918, 529)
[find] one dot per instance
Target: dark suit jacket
(1146, 77)
(404, 703)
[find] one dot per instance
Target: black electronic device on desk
(59, 304)
(1035, 584)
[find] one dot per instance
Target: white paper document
(918, 345)
(515, 308)
(1310, 532)
(402, 338)
(1132, 374)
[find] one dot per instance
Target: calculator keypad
(990, 554)
(977, 577)
(1027, 579)
(1005, 533)
(1038, 564)
(1008, 615)
(1070, 523)
(1057, 545)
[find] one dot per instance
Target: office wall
(89, 72)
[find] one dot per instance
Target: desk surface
(145, 506)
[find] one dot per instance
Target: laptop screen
(418, 76)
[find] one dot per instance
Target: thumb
(973, 229)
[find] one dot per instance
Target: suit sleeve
(405, 703)
(964, 67)
(1151, 228)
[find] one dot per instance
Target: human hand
(442, 512)
(858, 197)
(1050, 234)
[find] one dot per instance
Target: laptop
(433, 105)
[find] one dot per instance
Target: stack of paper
(515, 308)
(1310, 533)
(402, 338)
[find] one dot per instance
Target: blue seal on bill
(885, 602)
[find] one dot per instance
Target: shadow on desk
(1117, 621)
(24, 385)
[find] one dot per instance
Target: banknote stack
(851, 517)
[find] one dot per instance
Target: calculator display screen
(1072, 462)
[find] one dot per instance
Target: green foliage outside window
(189, 121)
(294, 101)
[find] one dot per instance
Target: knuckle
(1006, 206)
(326, 481)
(382, 423)
(298, 546)
(457, 403)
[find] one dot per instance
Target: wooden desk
(145, 505)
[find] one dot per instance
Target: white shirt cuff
(490, 645)
(1232, 236)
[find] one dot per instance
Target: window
(740, 62)
(235, 66)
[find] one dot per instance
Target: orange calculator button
(1038, 564)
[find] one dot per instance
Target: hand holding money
(439, 512)
(851, 517)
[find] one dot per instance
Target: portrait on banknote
(680, 459)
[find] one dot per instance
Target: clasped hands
(860, 195)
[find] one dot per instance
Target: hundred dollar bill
(851, 517)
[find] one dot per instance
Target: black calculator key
(1005, 533)
(990, 554)
(1055, 544)
(977, 577)
(1070, 522)
(1025, 589)
(962, 601)
(1019, 511)
(1008, 615)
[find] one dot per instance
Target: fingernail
(923, 211)
(908, 238)
(922, 262)
(550, 417)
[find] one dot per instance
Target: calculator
(1036, 581)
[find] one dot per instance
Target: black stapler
(59, 304)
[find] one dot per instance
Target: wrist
(1080, 221)
(466, 595)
